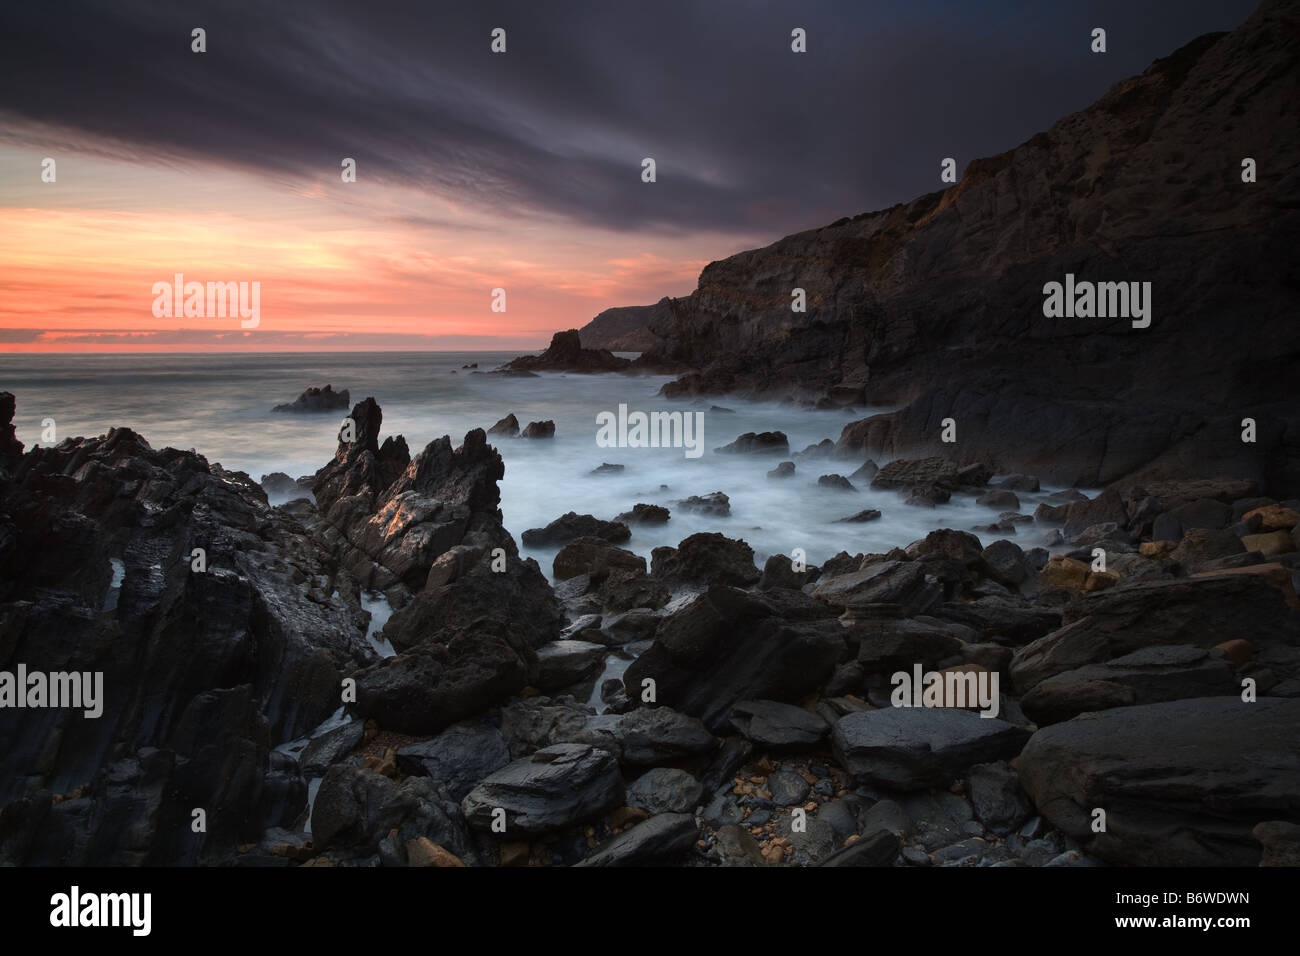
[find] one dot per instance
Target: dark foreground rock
(551, 789)
(1182, 783)
(916, 748)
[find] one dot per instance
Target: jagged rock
(783, 470)
(762, 443)
(1183, 783)
(1146, 676)
(507, 427)
(715, 504)
(644, 514)
(356, 809)
(727, 646)
(1200, 612)
(517, 600)
(566, 354)
(572, 525)
(869, 514)
(317, 400)
(705, 558)
(202, 672)
(10, 446)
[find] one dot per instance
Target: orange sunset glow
(341, 265)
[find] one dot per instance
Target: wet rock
(774, 725)
(330, 747)
(566, 662)
(875, 849)
(553, 788)
(783, 470)
(915, 748)
(1146, 676)
(460, 756)
(787, 788)
(727, 646)
(1184, 783)
(659, 839)
(996, 796)
(458, 673)
(1199, 612)
(665, 790)
(651, 735)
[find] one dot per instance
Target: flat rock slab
(657, 839)
(566, 662)
(1183, 783)
(920, 747)
(770, 723)
(554, 788)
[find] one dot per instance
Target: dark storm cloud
(748, 137)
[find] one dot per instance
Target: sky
(477, 170)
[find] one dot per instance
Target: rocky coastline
(754, 717)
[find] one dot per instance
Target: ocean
(220, 406)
